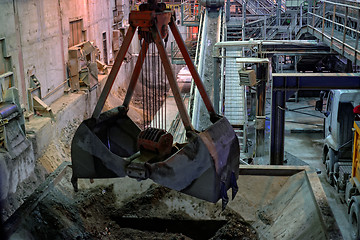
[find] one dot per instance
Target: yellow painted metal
(355, 173)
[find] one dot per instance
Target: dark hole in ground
(195, 229)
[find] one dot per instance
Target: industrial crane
(110, 144)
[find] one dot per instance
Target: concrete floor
(306, 143)
(303, 146)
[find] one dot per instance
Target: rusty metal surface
(114, 71)
(135, 74)
(155, 140)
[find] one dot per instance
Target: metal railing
(337, 24)
(255, 8)
(190, 13)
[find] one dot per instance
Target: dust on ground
(59, 150)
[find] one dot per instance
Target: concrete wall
(41, 44)
(37, 38)
(11, 36)
(37, 35)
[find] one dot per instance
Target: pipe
(265, 43)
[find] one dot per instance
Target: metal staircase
(235, 101)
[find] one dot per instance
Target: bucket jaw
(205, 167)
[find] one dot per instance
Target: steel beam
(135, 74)
(284, 84)
(315, 81)
(114, 71)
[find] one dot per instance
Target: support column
(261, 74)
(277, 128)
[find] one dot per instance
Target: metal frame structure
(336, 24)
(284, 85)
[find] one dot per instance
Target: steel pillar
(261, 74)
(284, 84)
(277, 128)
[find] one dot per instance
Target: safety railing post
(323, 22)
(313, 19)
(357, 37)
(333, 27)
(344, 36)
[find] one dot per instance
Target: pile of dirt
(96, 213)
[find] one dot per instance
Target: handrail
(341, 18)
(340, 4)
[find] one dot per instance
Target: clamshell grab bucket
(205, 167)
(110, 144)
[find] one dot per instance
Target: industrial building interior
(180, 119)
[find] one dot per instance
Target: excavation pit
(272, 203)
(194, 229)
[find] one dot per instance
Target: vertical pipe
(227, 10)
(243, 26)
(264, 33)
(21, 82)
(222, 83)
(243, 21)
(61, 38)
(301, 15)
(313, 19)
(278, 13)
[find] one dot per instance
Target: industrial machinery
(212, 3)
(352, 195)
(12, 126)
(339, 118)
(110, 144)
(341, 150)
